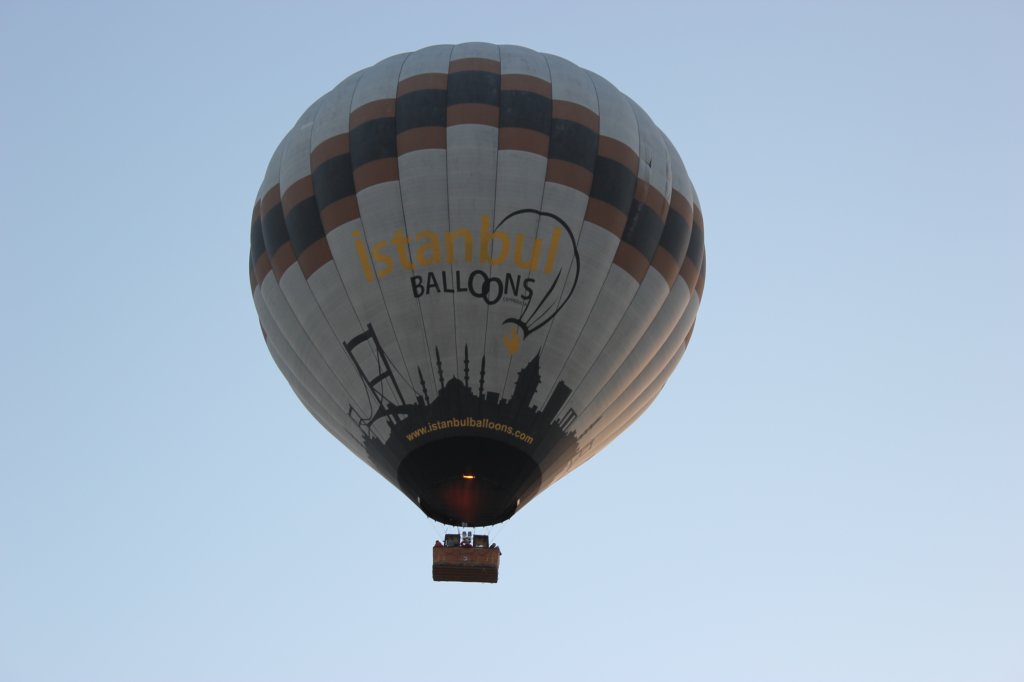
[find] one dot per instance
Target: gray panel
(640, 406)
(654, 155)
(433, 59)
(326, 286)
(379, 82)
(640, 355)
(273, 174)
(295, 369)
(342, 383)
(634, 321)
(522, 60)
(625, 408)
(475, 50)
(295, 335)
(617, 118)
(616, 296)
(331, 119)
(571, 83)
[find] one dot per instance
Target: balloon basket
(466, 564)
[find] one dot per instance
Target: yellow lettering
(430, 243)
(401, 243)
(534, 257)
(449, 242)
(486, 237)
(364, 257)
(383, 259)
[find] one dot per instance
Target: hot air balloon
(476, 265)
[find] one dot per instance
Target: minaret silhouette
(440, 372)
(426, 398)
(465, 366)
(483, 363)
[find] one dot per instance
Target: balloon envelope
(476, 265)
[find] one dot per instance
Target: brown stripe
(631, 260)
(524, 140)
(315, 257)
(570, 111)
(666, 265)
(605, 215)
(300, 191)
(682, 206)
(339, 212)
(375, 172)
(414, 139)
(328, 149)
(282, 260)
(646, 193)
(698, 218)
(423, 81)
(261, 268)
(481, 114)
(256, 212)
(700, 278)
(382, 108)
(689, 273)
(516, 81)
(474, 64)
(270, 200)
(570, 175)
(689, 335)
(617, 151)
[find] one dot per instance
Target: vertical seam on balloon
(682, 327)
(401, 198)
(380, 288)
(543, 194)
(448, 201)
(305, 332)
(671, 285)
(308, 289)
(310, 401)
(334, 261)
(632, 300)
(547, 332)
(265, 292)
(494, 200)
(639, 406)
(611, 264)
(448, 207)
(508, 367)
(494, 220)
(678, 328)
(341, 281)
(451, 266)
(405, 227)
(265, 288)
(677, 281)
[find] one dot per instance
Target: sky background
(829, 488)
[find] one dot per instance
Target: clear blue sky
(829, 489)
